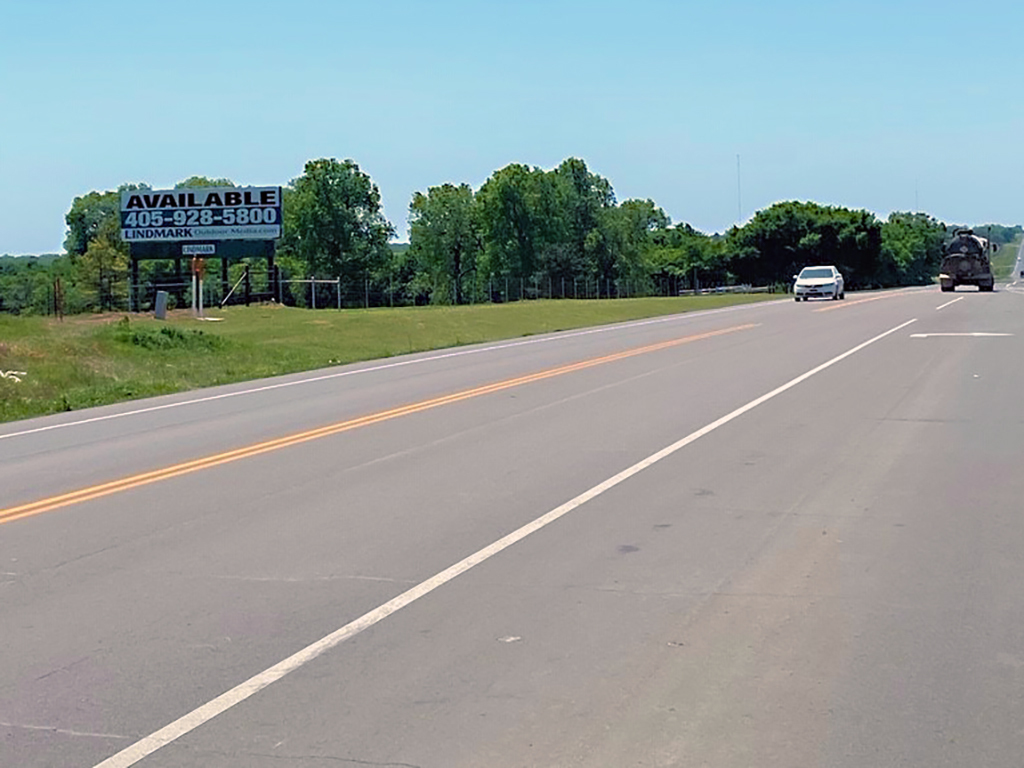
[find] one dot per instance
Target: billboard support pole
(224, 282)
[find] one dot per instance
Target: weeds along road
(781, 535)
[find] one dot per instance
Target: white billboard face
(201, 213)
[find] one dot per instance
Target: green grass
(1004, 259)
(91, 360)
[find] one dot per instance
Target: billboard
(200, 213)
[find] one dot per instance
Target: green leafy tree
(782, 239)
(510, 221)
(552, 225)
(911, 249)
(22, 280)
(682, 256)
(635, 222)
(334, 223)
(445, 239)
(88, 213)
(999, 234)
(92, 212)
(204, 181)
(579, 224)
(27, 285)
(103, 269)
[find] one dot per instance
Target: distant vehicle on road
(967, 262)
(818, 282)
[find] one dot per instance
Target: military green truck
(967, 262)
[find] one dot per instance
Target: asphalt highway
(787, 534)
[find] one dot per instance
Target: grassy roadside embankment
(1003, 261)
(90, 360)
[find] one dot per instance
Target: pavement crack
(332, 758)
(72, 560)
(65, 668)
(65, 731)
(310, 579)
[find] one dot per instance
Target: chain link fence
(249, 286)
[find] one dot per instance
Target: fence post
(312, 290)
(339, 292)
(367, 295)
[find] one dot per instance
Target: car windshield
(815, 272)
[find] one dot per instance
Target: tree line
(536, 230)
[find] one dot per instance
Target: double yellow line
(177, 470)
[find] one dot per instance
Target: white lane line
(388, 366)
(197, 717)
(954, 301)
(975, 335)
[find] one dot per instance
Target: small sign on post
(160, 307)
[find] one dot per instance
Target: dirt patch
(105, 318)
(92, 318)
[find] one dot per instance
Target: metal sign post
(198, 270)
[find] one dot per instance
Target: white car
(820, 282)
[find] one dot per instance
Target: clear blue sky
(877, 105)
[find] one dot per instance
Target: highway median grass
(1003, 261)
(49, 366)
